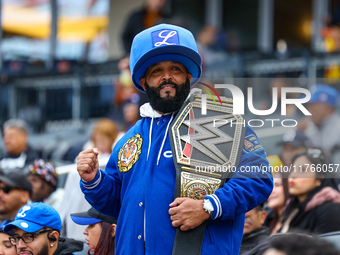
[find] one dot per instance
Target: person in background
(279, 197)
(277, 202)
(125, 92)
(100, 232)
(131, 114)
(104, 136)
(44, 179)
(37, 229)
(254, 232)
(293, 142)
(15, 191)
(300, 244)
(303, 183)
(322, 129)
(326, 194)
(145, 17)
(212, 45)
(6, 248)
(18, 152)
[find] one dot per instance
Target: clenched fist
(87, 164)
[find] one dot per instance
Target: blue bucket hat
(322, 93)
(35, 216)
(164, 42)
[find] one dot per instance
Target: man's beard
(168, 104)
(42, 251)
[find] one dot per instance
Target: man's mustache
(25, 251)
(167, 82)
(249, 221)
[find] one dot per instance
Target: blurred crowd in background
(51, 112)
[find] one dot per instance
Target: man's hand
(324, 195)
(87, 164)
(187, 213)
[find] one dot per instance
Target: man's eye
(29, 237)
(156, 70)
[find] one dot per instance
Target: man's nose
(166, 75)
(21, 243)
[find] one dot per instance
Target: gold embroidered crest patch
(129, 153)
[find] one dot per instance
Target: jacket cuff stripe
(94, 183)
(218, 206)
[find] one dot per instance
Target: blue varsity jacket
(138, 185)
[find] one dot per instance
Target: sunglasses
(6, 189)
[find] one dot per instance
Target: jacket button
(140, 204)
(139, 237)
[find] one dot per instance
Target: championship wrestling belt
(206, 142)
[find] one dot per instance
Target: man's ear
(142, 82)
(263, 217)
(113, 230)
(25, 196)
(189, 76)
(55, 234)
(53, 237)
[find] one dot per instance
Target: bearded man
(36, 231)
(139, 181)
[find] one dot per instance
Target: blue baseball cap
(91, 216)
(35, 216)
(322, 93)
(164, 42)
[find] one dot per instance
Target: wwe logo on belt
(164, 37)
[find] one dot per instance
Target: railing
(77, 89)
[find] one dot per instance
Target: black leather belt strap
(189, 242)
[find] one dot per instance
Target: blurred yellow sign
(32, 23)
